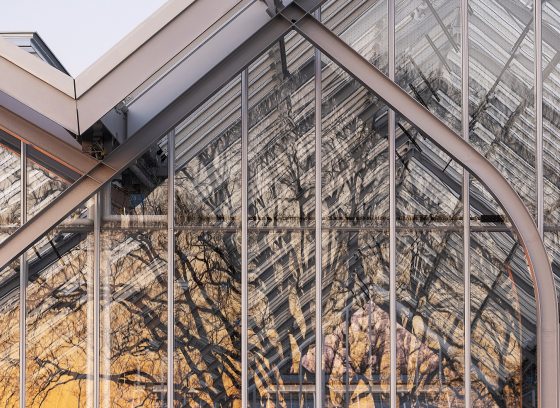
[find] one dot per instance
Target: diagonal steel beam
(141, 141)
(478, 166)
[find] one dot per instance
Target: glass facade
(255, 244)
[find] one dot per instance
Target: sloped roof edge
(127, 65)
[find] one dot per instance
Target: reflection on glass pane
(281, 317)
(355, 166)
(362, 24)
(10, 185)
(428, 182)
(207, 319)
(59, 320)
(551, 110)
(208, 161)
(501, 91)
(428, 67)
(299, 53)
(552, 242)
(281, 139)
(503, 338)
(44, 183)
(141, 189)
(430, 318)
(9, 335)
(428, 61)
(485, 210)
(133, 318)
(356, 319)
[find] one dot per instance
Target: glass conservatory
(355, 205)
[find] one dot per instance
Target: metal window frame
(391, 11)
(464, 13)
(294, 17)
(244, 236)
(319, 377)
(170, 268)
(23, 282)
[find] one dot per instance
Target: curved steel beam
(477, 165)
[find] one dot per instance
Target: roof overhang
(181, 37)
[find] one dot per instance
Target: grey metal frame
(170, 269)
(392, 212)
(244, 235)
(318, 228)
(98, 209)
(537, 5)
(457, 147)
(23, 281)
(464, 5)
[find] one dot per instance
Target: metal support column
(539, 115)
(98, 208)
(466, 201)
(170, 267)
(244, 226)
(318, 230)
(23, 281)
(392, 215)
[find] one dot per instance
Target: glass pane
(428, 67)
(362, 24)
(428, 58)
(355, 167)
(281, 139)
(552, 242)
(356, 326)
(501, 91)
(430, 318)
(44, 182)
(59, 318)
(10, 192)
(485, 211)
(208, 162)
(139, 193)
(208, 319)
(281, 317)
(9, 335)
(10, 185)
(551, 110)
(133, 317)
(503, 323)
(428, 182)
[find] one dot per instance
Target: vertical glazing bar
(392, 215)
(466, 201)
(318, 229)
(170, 267)
(96, 295)
(22, 280)
(539, 115)
(244, 225)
